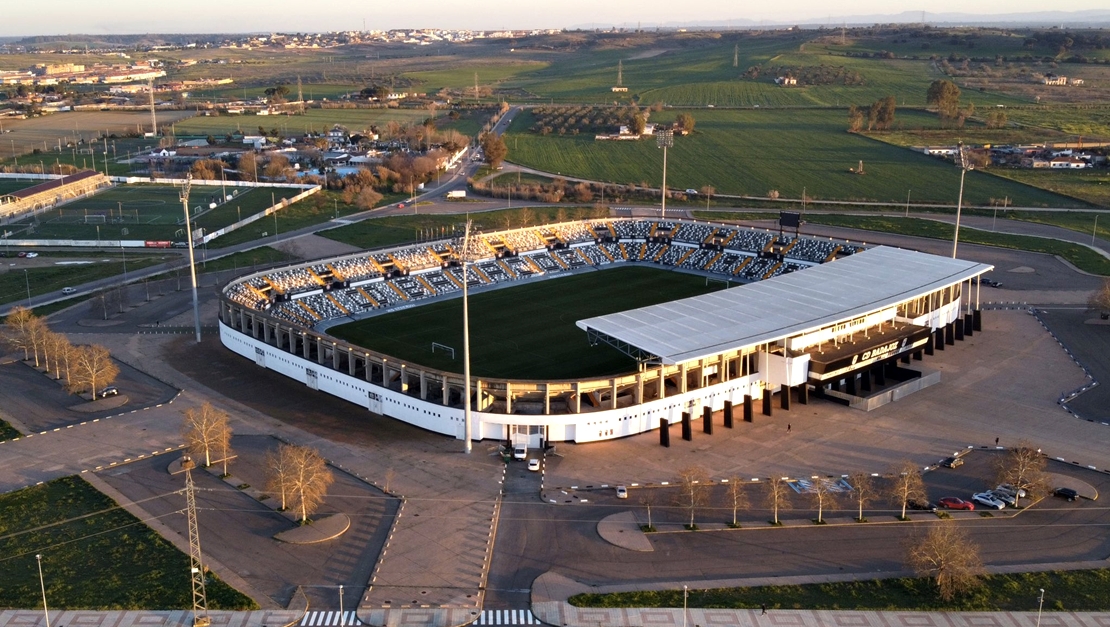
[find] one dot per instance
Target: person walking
(996, 441)
(788, 427)
(763, 609)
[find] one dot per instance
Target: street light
(685, 593)
(42, 585)
(342, 622)
(1040, 606)
(664, 139)
(964, 165)
(27, 278)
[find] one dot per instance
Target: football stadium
(600, 329)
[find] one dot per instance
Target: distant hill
(1092, 18)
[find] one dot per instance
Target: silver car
(1003, 496)
(986, 499)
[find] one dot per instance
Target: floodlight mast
(192, 262)
(664, 139)
(965, 165)
(464, 257)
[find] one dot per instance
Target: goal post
(444, 348)
(725, 282)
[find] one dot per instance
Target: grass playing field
(528, 331)
(8, 186)
(147, 212)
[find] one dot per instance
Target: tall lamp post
(964, 165)
(685, 593)
(192, 260)
(664, 140)
(466, 342)
(42, 585)
(1040, 606)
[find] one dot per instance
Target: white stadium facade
(811, 317)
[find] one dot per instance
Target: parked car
(951, 502)
(108, 391)
(1066, 493)
(534, 465)
(69, 290)
(1011, 490)
(32, 255)
(1003, 496)
(952, 462)
(692, 192)
(986, 499)
(622, 492)
(921, 506)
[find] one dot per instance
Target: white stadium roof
(786, 305)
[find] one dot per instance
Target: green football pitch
(526, 331)
(7, 186)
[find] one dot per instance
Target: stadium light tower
(192, 261)
(964, 165)
(466, 341)
(664, 139)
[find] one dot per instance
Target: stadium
(658, 332)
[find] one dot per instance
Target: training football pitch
(526, 331)
(149, 212)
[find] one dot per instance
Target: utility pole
(42, 584)
(192, 261)
(965, 165)
(736, 55)
(200, 597)
(153, 117)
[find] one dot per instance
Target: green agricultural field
(1089, 121)
(1092, 186)
(312, 120)
(462, 77)
(146, 212)
(95, 555)
(753, 152)
(526, 331)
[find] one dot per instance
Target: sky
(53, 17)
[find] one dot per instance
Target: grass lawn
(1092, 186)
(316, 209)
(1079, 221)
(393, 230)
(95, 555)
(1082, 257)
(752, 152)
(1073, 591)
(13, 283)
(8, 186)
(8, 432)
(526, 331)
(246, 258)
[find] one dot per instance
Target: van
(520, 451)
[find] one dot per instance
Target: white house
(1067, 163)
(786, 81)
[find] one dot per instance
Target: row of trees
(809, 75)
(84, 368)
(299, 475)
(561, 190)
(879, 116)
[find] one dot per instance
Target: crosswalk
(501, 618)
(488, 618)
(324, 618)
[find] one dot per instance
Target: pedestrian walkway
(503, 618)
(144, 618)
(330, 619)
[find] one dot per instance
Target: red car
(951, 502)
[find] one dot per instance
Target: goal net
(443, 348)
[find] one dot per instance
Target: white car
(622, 492)
(534, 465)
(986, 499)
(69, 290)
(32, 255)
(1009, 489)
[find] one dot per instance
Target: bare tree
(738, 496)
(57, 346)
(1100, 299)
(822, 494)
(693, 481)
(778, 496)
(647, 499)
(1022, 467)
(37, 331)
(16, 333)
(206, 430)
(949, 557)
(91, 368)
(279, 472)
(390, 474)
(906, 485)
(310, 479)
(862, 490)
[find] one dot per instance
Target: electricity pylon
(196, 566)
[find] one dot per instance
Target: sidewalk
(142, 618)
(550, 591)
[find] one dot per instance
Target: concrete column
(748, 414)
(639, 388)
(958, 326)
(577, 397)
(508, 397)
(423, 385)
(242, 321)
(977, 320)
(865, 380)
(707, 420)
(687, 431)
(784, 396)
(664, 433)
(803, 394)
(350, 362)
(446, 389)
(969, 325)
(266, 331)
(320, 351)
(938, 339)
(682, 374)
(613, 393)
(851, 387)
(306, 347)
(477, 395)
(766, 402)
(917, 355)
(722, 369)
(404, 380)
(369, 370)
(950, 333)
(662, 381)
(728, 414)
(546, 398)
(334, 357)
